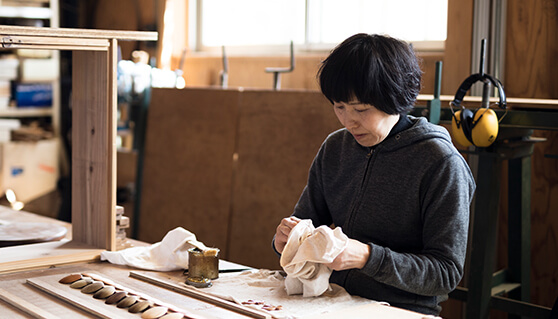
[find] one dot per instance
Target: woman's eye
(339, 107)
(362, 110)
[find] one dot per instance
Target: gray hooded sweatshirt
(408, 198)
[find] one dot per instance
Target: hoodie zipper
(358, 200)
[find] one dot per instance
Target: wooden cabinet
(93, 139)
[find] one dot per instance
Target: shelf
(26, 112)
(25, 12)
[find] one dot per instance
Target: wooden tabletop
(37, 292)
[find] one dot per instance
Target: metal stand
(488, 289)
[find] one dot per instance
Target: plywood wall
(229, 164)
(187, 171)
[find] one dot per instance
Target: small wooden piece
(154, 312)
(81, 283)
(70, 279)
(114, 299)
(127, 302)
(140, 306)
(93, 287)
(105, 292)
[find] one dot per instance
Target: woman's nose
(350, 120)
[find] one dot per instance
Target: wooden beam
(78, 33)
(12, 42)
(94, 147)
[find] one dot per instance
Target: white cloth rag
(167, 255)
(304, 256)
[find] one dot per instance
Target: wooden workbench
(20, 297)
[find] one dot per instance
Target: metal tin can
(203, 264)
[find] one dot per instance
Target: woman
(394, 183)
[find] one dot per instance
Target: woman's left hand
(355, 255)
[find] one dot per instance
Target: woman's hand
(355, 255)
(283, 231)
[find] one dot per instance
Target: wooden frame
(93, 138)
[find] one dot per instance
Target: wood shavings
(262, 305)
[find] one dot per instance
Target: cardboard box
(30, 169)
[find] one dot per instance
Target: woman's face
(368, 125)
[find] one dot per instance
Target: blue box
(33, 94)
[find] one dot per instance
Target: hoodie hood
(420, 131)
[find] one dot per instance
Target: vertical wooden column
(519, 226)
(484, 236)
(94, 147)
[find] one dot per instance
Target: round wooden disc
(19, 233)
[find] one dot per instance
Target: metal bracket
(278, 70)
(224, 74)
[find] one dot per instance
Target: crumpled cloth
(304, 256)
(167, 255)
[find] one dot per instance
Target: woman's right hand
(283, 231)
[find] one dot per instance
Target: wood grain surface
(531, 68)
(18, 233)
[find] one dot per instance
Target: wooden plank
(279, 135)
(87, 303)
(187, 165)
(9, 41)
(457, 53)
(25, 306)
(372, 310)
(513, 102)
(82, 301)
(78, 33)
(19, 258)
(94, 147)
(56, 47)
(198, 294)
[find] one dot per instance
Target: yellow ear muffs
(485, 127)
(460, 127)
(479, 128)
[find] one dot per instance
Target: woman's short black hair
(372, 69)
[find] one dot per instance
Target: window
(313, 24)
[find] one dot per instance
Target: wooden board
(94, 147)
(19, 258)
(78, 33)
(279, 135)
(200, 294)
(18, 233)
(379, 310)
(25, 306)
(187, 170)
(97, 307)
